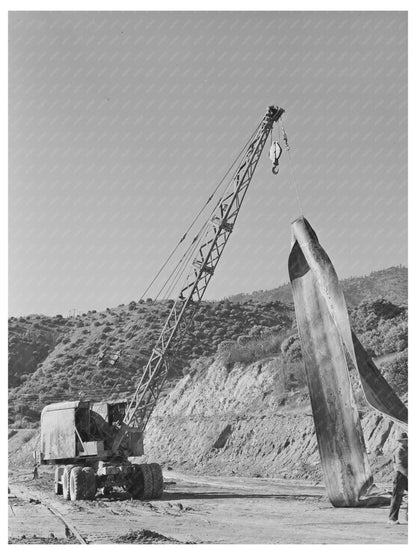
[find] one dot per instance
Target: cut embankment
(242, 421)
(23, 447)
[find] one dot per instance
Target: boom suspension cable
(181, 240)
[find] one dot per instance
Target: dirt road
(196, 509)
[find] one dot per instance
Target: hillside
(101, 354)
(390, 284)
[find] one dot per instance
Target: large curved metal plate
(325, 336)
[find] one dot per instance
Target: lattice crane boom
(203, 267)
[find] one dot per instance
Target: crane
(100, 437)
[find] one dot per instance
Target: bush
(243, 340)
(368, 314)
(396, 373)
(395, 338)
(294, 352)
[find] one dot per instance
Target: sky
(121, 124)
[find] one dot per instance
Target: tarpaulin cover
(326, 338)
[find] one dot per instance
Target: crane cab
(84, 431)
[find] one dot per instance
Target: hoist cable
(187, 254)
(287, 148)
(182, 262)
(191, 255)
(202, 234)
(199, 213)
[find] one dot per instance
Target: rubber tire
(157, 475)
(58, 486)
(90, 483)
(147, 482)
(65, 481)
(107, 491)
(77, 484)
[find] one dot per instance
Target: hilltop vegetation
(101, 355)
(390, 284)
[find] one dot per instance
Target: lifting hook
(275, 153)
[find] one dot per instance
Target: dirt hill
(100, 355)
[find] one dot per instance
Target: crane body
(92, 443)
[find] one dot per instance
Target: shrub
(373, 342)
(368, 314)
(291, 348)
(396, 373)
(395, 338)
(243, 340)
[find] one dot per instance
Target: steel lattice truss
(203, 267)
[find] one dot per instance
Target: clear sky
(121, 125)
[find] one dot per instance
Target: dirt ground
(194, 509)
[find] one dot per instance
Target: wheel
(65, 481)
(147, 481)
(90, 482)
(77, 483)
(157, 476)
(58, 483)
(140, 482)
(107, 491)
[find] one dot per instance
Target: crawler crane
(92, 443)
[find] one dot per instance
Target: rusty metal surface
(325, 336)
